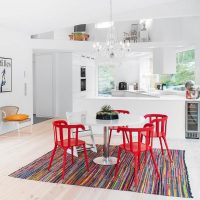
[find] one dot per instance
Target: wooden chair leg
(145, 157)
(110, 136)
(136, 169)
(154, 162)
(118, 160)
(94, 147)
(64, 162)
(86, 158)
(72, 149)
(161, 146)
(126, 136)
(168, 152)
(52, 156)
(139, 161)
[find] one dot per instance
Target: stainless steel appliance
(123, 86)
(192, 91)
(192, 119)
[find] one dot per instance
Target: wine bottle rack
(192, 119)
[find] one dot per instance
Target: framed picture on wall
(5, 75)
(83, 72)
(83, 84)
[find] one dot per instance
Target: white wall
(16, 46)
(127, 71)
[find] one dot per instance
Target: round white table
(90, 120)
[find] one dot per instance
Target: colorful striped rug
(174, 179)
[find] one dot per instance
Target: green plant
(106, 108)
(77, 33)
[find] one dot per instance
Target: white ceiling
(36, 16)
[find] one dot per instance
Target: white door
(44, 85)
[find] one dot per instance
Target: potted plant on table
(107, 113)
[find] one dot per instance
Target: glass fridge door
(192, 122)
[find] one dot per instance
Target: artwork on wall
(83, 78)
(5, 74)
(83, 72)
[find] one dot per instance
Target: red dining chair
(114, 128)
(59, 126)
(160, 124)
(136, 147)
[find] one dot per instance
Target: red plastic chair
(114, 128)
(160, 123)
(60, 141)
(136, 147)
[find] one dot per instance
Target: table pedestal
(105, 159)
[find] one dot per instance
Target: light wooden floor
(18, 150)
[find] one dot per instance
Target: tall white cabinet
(53, 84)
(43, 85)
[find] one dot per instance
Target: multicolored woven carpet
(174, 179)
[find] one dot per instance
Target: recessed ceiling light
(104, 24)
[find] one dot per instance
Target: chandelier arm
(111, 17)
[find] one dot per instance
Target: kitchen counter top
(171, 105)
(161, 98)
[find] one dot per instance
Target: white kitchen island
(171, 105)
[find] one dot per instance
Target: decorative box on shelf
(79, 36)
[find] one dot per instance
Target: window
(105, 80)
(185, 70)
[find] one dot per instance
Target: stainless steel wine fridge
(192, 119)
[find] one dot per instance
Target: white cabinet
(43, 97)
(164, 60)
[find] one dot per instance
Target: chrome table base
(105, 159)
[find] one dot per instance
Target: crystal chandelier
(112, 48)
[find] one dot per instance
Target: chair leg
(154, 162)
(145, 157)
(126, 136)
(110, 135)
(64, 162)
(72, 149)
(86, 158)
(18, 128)
(141, 138)
(168, 152)
(139, 161)
(93, 141)
(52, 156)
(161, 146)
(118, 159)
(136, 169)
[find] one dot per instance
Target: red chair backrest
(160, 123)
(59, 126)
(122, 111)
(147, 130)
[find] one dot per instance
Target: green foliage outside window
(105, 80)
(185, 69)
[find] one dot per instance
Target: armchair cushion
(17, 117)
